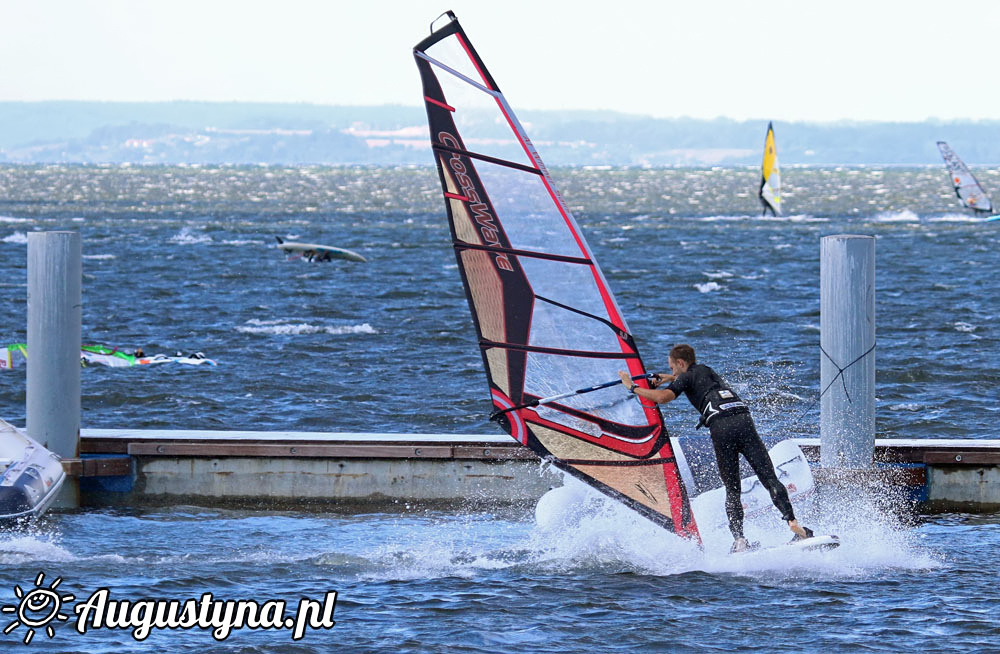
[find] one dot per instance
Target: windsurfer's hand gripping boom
(653, 394)
(659, 378)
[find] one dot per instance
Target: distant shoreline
(209, 133)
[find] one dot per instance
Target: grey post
(847, 339)
(54, 323)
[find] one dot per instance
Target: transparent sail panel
(526, 210)
(483, 127)
(552, 374)
(556, 327)
(974, 197)
(450, 52)
(565, 283)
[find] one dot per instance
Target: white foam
(244, 242)
(904, 216)
(707, 287)
(185, 237)
(956, 218)
(286, 328)
(28, 549)
(576, 523)
(793, 218)
(16, 237)
(578, 529)
(99, 257)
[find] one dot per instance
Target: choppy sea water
(182, 259)
(489, 582)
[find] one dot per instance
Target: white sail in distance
(968, 189)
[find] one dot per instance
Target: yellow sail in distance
(770, 182)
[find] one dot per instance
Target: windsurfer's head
(682, 357)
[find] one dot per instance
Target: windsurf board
(817, 543)
(317, 252)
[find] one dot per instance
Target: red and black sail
(546, 319)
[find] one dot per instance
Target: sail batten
(545, 317)
(455, 73)
(554, 350)
(524, 253)
(486, 157)
(968, 189)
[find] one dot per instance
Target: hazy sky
(796, 60)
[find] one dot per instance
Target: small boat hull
(30, 477)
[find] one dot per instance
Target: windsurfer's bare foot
(799, 530)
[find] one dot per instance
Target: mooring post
(54, 323)
(847, 351)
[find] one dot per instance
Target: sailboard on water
(14, 354)
(770, 177)
(544, 314)
(968, 189)
(316, 252)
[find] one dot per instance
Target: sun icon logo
(38, 608)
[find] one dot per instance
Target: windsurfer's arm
(662, 377)
(655, 395)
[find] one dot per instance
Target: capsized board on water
(317, 252)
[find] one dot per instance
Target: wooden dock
(129, 467)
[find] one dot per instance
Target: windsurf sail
(544, 314)
(15, 354)
(968, 189)
(107, 356)
(114, 358)
(770, 176)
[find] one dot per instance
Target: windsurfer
(733, 433)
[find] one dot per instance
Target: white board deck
(317, 250)
(818, 543)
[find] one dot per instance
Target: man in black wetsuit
(733, 433)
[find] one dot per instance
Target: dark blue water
(181, 259)
(495, 582)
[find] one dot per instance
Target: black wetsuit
(733, 433)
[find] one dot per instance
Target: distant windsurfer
(767, 205)
(733, 433)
